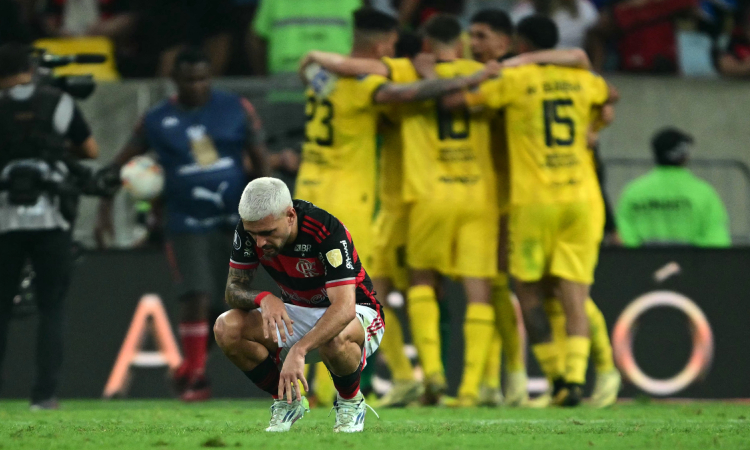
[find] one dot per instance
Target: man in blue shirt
(203, 139)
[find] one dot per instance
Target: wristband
(260, 297)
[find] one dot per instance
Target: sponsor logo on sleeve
(237, 243)
(349, 264)
(334, 257)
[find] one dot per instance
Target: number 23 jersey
(548, 111)
(338, 155)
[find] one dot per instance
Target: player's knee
(334, 347)
(228, 329)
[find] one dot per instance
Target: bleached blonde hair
(264, 197)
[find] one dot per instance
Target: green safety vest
(670, 205)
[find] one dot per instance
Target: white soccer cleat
(489, 396)
(517, 393)
(283, 414)
(402, 394)
(606, 389)
(350, 414)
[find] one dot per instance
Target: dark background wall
(107, 285)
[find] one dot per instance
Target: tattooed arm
(425, 89)
(238, 294)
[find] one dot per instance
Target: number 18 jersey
(446, 153)
(548, 111)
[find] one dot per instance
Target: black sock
(348, 385)
(266, 376)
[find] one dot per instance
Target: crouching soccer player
(327, 311)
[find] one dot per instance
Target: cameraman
(40, 128)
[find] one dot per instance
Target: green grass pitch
(142, 425)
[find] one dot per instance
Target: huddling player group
(437, 166)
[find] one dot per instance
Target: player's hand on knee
(275, 318)
(292, 373)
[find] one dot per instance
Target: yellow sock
(556, 316)
(577, 359)
(479, 327)
(507, 321)
(424, 320)
(392, 347)
(601, 348)
(324, 388)
(492, 365)
(547, 355)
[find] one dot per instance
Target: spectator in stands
(735, 61)
(643, 32)
(574, 18)
(61, 18)
(413, 13)
(161, 29)
(670, 205)
(285, 30)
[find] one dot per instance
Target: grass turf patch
(141, 425)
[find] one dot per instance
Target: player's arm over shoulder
(427, 89)
(344, 65)
(494, 93)
(567, 57)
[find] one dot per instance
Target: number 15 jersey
(548, 111)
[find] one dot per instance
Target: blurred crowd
(244, 37)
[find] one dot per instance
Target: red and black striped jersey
(322, 256)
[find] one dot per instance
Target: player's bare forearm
(426, 89)
(571, 57)
(238, 294)
(344, 65)
(337, 316)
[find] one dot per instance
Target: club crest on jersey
(237, 243)
(306, 268)
(334, 257)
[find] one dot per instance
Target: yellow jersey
(339, 150)
(391, 149)
(548, 112)
(446, 153)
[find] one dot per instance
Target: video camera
(79, 86)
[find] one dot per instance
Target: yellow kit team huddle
(481, 184)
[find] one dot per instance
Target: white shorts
(305, 318)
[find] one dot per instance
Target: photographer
(40, 129)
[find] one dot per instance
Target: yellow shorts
(389, 249)
(354, 209)
(561, 240)
(455, 240)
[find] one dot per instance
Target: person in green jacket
(670, 205)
